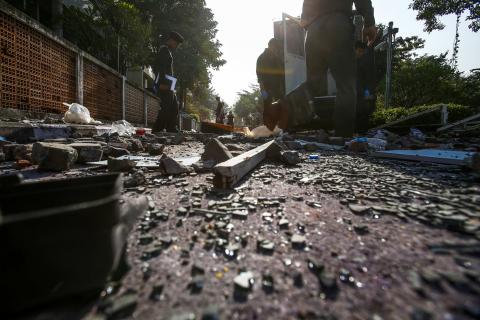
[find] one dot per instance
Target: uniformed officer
(329, 46)
(168, 115)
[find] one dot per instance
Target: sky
(245, 26)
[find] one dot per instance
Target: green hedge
(455, 113)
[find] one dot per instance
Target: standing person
(167, 118)
(230, 119)
(329, 45)
(366, 85)
(271, 72)
(220, 112)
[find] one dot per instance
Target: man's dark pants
(168, 116)
(329, 45)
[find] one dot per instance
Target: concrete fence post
(145, 108)
(80, 77)
(124, 98)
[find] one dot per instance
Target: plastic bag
(263, 132)
(78, 114)
(123, 128)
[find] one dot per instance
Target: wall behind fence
(38, 72)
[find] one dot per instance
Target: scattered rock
(170, 166)
(204, 166)
(298, 241)
(116, 165)
(359, 209)
(156, 149)
(121, 307)
(116, 152)
(290, 157)
(361, 229)
(275, 150)
(267, 283)
(216, 151)
(135, 145)
(53, 157)
(244, 281)
(88, 152)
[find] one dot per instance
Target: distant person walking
(220, 112)
(167, 118)
(230, 119)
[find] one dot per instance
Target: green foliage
(201, 102)
(425, 80)
(248, 108)
(140, 25)
(103, 25)
(191, 18)
(430, 10)
(455, 113)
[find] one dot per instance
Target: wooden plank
(413, 116)
(459, 123)
(428, 155)
(230, 172)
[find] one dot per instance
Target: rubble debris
(171, 166)
(120, 165)
(53, 157)
(429, 155)
(121, 307)
(88, 152)
(291, 158)
(216, 151)
(155, 149)
(123, 128)
(244, 281)
(274, 151)
(116, 152)
(229, 173)
(204, 166)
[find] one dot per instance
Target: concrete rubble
(320, 229)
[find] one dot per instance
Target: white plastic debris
(263, 132)
(123, 128)
(78, 114)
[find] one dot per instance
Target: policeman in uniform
(168, 115)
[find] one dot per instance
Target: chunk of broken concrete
(204, 166)
(156, 149)
(115, 152)
(274, 151)
(117, 165)
(135, 145)
(244, 281)
(216, 151)
(88, 152)
(53, 156)
(290, 158)
(170, 166)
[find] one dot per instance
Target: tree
(430, 10)
(248, 108)
(426, 80)
(201, 50)
(105, 26)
